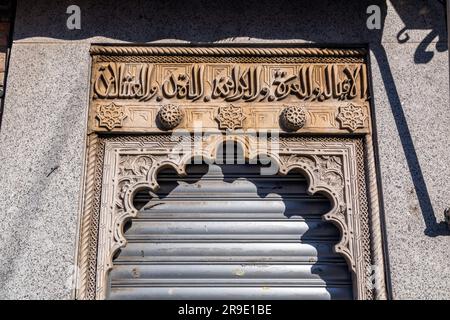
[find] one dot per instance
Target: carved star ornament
(110, 115)
(351, 117)
(230, 117)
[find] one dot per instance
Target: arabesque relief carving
(351, 117)
(110, 115)
(143, 93)
(230, 117)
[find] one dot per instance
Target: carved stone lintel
(170, 116)
(293, 118)
(261, 81)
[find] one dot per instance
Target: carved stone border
(225, 51)
(120, 166)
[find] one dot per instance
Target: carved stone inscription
(256, 84)
(228, 82)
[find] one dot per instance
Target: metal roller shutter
(227, 232)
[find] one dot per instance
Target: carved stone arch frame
(125, 165)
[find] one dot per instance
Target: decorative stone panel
(137, 92)
(260, 83)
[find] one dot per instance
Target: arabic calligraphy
(233, 82)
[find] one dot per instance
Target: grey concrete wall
(44, 120)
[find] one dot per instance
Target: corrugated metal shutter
(226, 232)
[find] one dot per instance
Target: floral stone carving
(110, 115)
(351, 117)
(293, 118)
(230, 117)
(170, 116)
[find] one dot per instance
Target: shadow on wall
(417, 15)
(199, 21)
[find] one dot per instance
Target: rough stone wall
(42, 138)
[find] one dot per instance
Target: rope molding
(375, 223)
(223, 51)
(86, 232)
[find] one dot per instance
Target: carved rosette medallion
(293, 118)
(170, 116)
(230, 117)
(351, 117)
(110, 115)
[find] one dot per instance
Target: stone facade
(44, 125)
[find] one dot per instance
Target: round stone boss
(293, 118)
(170, 116)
